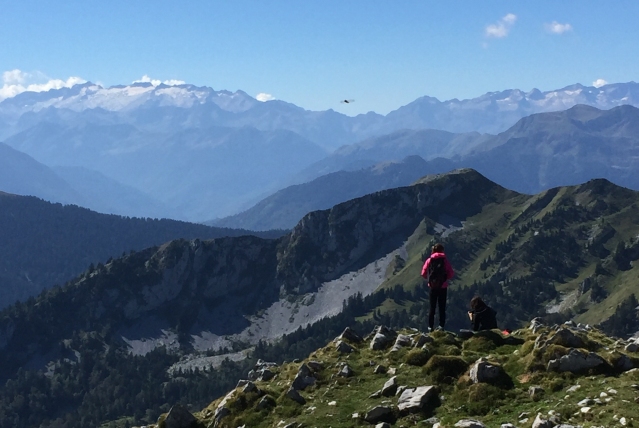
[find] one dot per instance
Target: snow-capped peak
(126, 97)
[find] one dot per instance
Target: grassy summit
(524, 387)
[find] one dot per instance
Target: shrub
(440, 367)
(417, 357)
(482, 398)
(479, 344)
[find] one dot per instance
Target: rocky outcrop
(483, 371)
(303, 379)
(576, 361)
(417, 399)
(382, 337)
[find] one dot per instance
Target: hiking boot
(440, 328)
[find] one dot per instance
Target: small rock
(585, 409)
(402, 341)
(316, 366)
(303, 379)
(294, 395)
(265, 375)
(250, 387)
(483, 371)
(391, 371)
(379, 370)
(261, 364)
(332, 403)
(379, 342)
(416, 399)
(469, 423)
(632, 347)
(536, 324)
(573, 388)
(343, 347)
(179, 417)
(566, 338)
(346, 371)
(421, 340)
(266, 402)
(376, 394)
(390, 387)
(379, 414)
(540, 422)
(350, 335)
(575, 361)
(535, 392)
(383, 425)
(507, 426)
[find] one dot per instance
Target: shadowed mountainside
(44, 244)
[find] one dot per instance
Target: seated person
(482, 316)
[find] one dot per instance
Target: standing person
(437, 271)
(482, 316)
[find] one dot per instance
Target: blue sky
(382, 54)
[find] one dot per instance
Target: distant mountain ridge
(285, 208)
(539, 152)
(210, 154)
(492, 112)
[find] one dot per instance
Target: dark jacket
(484, 318)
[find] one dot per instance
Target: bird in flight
(346, 101)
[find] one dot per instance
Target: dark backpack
(437, 275)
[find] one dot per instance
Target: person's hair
(476, 303)
(438, 248)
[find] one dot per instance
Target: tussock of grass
(417, 357)
(442, 368)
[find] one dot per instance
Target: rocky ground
(558, 376)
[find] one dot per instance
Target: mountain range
(539, 152)
(197, 154)
(568, 252)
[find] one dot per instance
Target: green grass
(334, 400)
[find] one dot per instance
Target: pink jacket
(449, 269)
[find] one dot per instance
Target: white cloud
(262, 96)
(156, 82)
(502, 27)
(16, 81)
(557, 28)
(599, 83)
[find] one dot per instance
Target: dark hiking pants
(437, 298)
